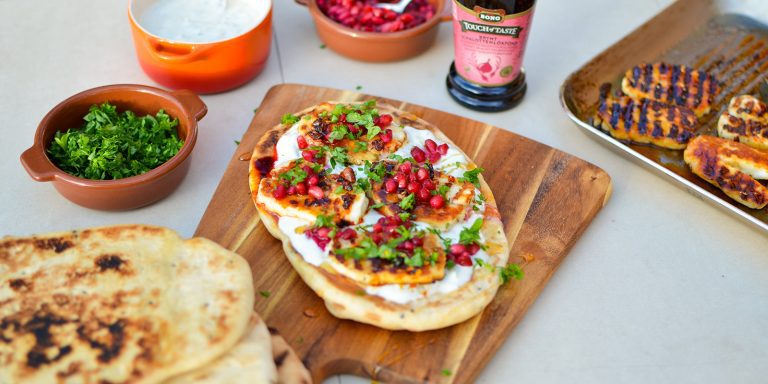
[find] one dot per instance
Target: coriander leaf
(446, 372)
(359, 87)
(289, 119)
(373, 131)
(441, 190)
(237, 142)
(264, 294)
(338, 156)
(407, 202)
(360, 146)
(294, 175)
(417, 260)
(377, 205)
(509, 272)
(338, 132)
(472, 234)
(324, 221)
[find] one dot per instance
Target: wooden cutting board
(547, 198)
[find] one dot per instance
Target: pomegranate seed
(301, 189)
(308, 170)
(422, 174)
(443, 149)
(405, 167)
(377, 238)
(384, 121)
(434, 157)
(301, 141)
(354, 129)
(315, 192)
(347, 234)
(423, 194)
(390, 186)
(429, 184)
(458, 249)
(323, 232)
(378, 228)
(395, 220)
(430, 145)
(280, 192)
(292, 190)
(473, 248)
(413, 187)
(387, 136)
(407, 245)
(412, 178)
(437, 201)
(403, 182)
(418, 241)
(418, 154)
(464, 260)
(313, 180)
(342, 118)
(308, 155)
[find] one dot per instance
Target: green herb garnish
(472, 176)
(264, 294)
(289, 119)
(115, 145)
(407, 202)
(509, 272)
(472, 234)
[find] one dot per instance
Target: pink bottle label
(489, 44)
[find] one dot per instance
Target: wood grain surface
(547, 199)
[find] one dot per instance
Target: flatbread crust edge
(346, 299)
(61, 250)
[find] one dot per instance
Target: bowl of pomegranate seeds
(362, 31)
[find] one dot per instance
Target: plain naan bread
(117, 304)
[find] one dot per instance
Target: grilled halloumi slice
(646, 121)
(733, 167)
(336, 202)
(379, 272)
(745, 121)
(460, 198)
(315, 129)
(672, 84)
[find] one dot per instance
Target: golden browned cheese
(125, 304)
(646, 121)
(733, 167)
(314, 128)
(672, 84)
(379, 272)
(340, 203)
(745, 121)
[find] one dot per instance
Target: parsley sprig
(114, 145)
(472, 176)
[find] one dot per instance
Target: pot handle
(302, 2)
(176, 53)
(37, 164)
(192, 103)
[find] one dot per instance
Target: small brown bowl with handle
(130, 192)
(378, 46)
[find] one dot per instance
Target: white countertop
(662, 287)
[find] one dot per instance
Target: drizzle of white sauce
(306, 247)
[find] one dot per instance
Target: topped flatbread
(117, 304)
(380, 214)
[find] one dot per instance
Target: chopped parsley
(324, 221)
(472, 234)
(375, 171)
(509, 272)
(441, 190)
(472, 176)
(377, 205)
(294, 175)
(446, 372)
(265, 294)
(407, 203)
(113, 145)
(237, 142)
(360, 146)
(289, 119)
(338, 156)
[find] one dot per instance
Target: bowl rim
(135, 22)
(58, 174)
(320, 16)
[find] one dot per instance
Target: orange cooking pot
(207, 67)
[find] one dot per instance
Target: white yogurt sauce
(287, 148)
(452, 163)
(306, 247)
(202, 21)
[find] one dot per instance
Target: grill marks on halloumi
(645, 121)
(731, 166)
(745, 121)
(674, 84)
(336, 202)
(380, 272)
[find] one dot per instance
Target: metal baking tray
(727, 38)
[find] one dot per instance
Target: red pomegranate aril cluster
(309, 186)
(414, 179)
(431, 151)
(321, 236)
(362, 15)
(386, 228)
(301, 141)
(462, 254)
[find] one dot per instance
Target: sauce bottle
(489, 41)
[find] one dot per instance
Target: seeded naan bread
(250, 361)
(117, 304)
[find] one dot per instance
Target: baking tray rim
(667, 174)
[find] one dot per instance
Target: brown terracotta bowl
(377, 46)
(130, 192)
